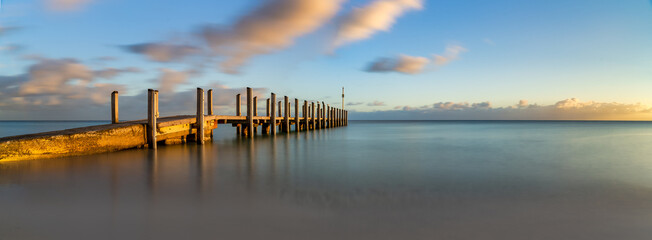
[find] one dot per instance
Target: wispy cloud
(379, 15)
(414, 65)
(163, 52)
(273, 26)
(376, 103)
(110, 73)
(65, 5)
(170, 79)
(354, 103)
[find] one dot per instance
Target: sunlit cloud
(403, 64)
(271, 27)
(414, 65)
(110, 73)
(170, 79)
(379, 15)
(163, 52)
(65, 5)
(376, 103)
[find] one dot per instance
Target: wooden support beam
(200, 116)
(250, 113)
(296, 115)
(266, 128)
(151, 119)
(286, 120)
(312, 116)
(273, 116)
(209, 101)
(238, 112)
(318, 125)
(280, 116)
(114, 107)
(255, 126)
(328, 118)
(323, 115)
(305, 115)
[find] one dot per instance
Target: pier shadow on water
(366, 181)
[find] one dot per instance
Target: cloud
(568, 109)
(54, 76)
(271, 27)
(163, 52)
(379, 15)
(65, 5)
(354, 103)
(11, 48)
(403, 64)
(110, 73)
(414, 65)
(376, 103)
(451, 53)
(5, 29)
(170, 79)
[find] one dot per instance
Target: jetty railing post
(305, 115)
(318, 124)
(296, 115)
(250, 113)
(286, 119)
(267, 124)
(114, 107)
(200, 116)
(312, 116)
(209, 101)
(255, 126)
(273, 115)
(151, 119)
(238, 112)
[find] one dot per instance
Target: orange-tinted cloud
(414, 65)
(379, 15)
(65, 5)
(271, 27)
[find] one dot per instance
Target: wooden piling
(296, 115)
(312, 116)
(238, 112)
(209, 101)
(273, 115)
(114, 107)
(266, 125)
(200, 116)
(318, 126)
(255, 126)
(151, 119)
(286, 119)
(250, 113)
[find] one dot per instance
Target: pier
(156, 130)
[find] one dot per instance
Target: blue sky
(544, 52)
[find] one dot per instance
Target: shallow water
(370, 180)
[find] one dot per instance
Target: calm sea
(370, 180)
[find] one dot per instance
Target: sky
(396, 59)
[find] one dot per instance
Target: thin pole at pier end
(200, 116)
(250, 113)
(114, 107)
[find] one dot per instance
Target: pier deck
(168, 130)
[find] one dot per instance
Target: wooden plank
(200, 117)
(114, 107)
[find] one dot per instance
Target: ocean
(369, 180)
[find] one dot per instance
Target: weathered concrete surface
(77, 141)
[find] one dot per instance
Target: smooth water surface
(370, 180)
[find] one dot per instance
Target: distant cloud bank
(568, 109)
